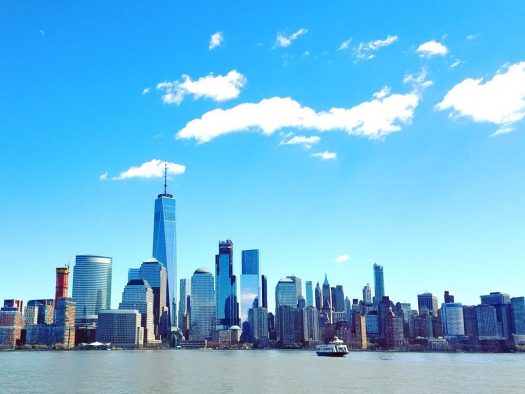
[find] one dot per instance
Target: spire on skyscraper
(165, 177)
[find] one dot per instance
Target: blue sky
(379, 130)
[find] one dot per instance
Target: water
(206, 371)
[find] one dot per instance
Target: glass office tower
(165, 247)
(202, 312)
(226, 287)
(91, 285)
(309, 293)
(249, 281)
(379, 283)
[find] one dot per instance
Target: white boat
(336, 348)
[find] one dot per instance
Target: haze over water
(258, 372)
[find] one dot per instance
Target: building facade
(91, 285)
(120, 327)
(227, 313)
(165, 246)
(452, 319)
(138, 295)
(379, 283)
(249, 281)
(202, 312)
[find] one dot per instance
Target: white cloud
(432, 48)
(284, 41)
(473, 36)
(216, 40)
(419, 81)
(382, 93)
(365, 50)
(455, 64)
(500, 100)
(307, 142)
(374, 119)
(345, 45)
(103, 177)
(325, 155)
(148, 170)
(146, 90)
(341, 259)
(218, 88)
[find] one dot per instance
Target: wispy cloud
(473, 36)
(42, 32)
(219, 88)
(216, 40)
(146, 90)
(500, 100)
(345, 45)
(455, 64)
(325, 155)
(306, 142)
(432, 48)
(419, 82)
(284, 41)
(366, 50)
(148, 170)
(341, 259)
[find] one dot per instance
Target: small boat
(335, 348)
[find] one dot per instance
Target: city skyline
(92, 107)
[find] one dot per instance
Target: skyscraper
(249, 281)
(154, 272)
(184, 301)
(517, 313)
(64, 326)
(165, 245)
(264, 291)
(138, 295)
(309, 293)
(285, 293)
(226, 287)
(379, 283)
(428, 301)
(91, 285)
(501, 302)
(367, 294)
(339, 299)
(452, 319)
(202, 313)
(318, 297)
(298, 286)
(327, 294)
(62, 280)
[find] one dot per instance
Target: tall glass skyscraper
(226, 287)
(309, 293)
(91, 285)
(264, 290)
(249, 281)
(202, 313)
(185, 293)
(165, 246)
(138, 295)
(285, 293)
(379, 283)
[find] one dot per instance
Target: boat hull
(327, 354)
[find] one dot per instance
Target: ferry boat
(335, 348)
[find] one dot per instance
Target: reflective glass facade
(185, 292)
(202, 313)
(379, 283)
(165, 247)
(91, 285)
(249, 281)
(226, 287)
(285, 293)
(309, 293)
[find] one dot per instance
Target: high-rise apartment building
(91, 285)
(203, 310)
(64, 326)
(165, 245)
(225, 288)
(379, 283)
(249, 281)
(61, 283)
